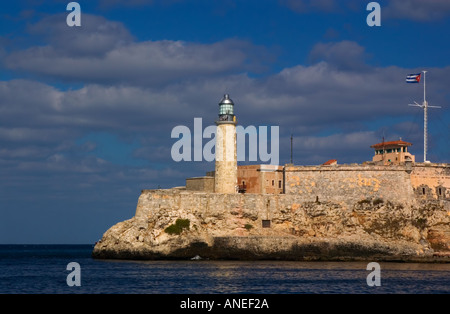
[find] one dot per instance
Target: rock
(439, 238)
(313, 231)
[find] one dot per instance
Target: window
(423, 191)
(266, 223)
(273, 182)
(440, 192)
(279, 184)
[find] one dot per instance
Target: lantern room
(226, 109)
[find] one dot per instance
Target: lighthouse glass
(226, 109)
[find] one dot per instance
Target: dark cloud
(350, 147)
(306, 6)
(131, 3)
(104, 52)
(327, 108)
(110, 4)
(417, 10)
(310, 99)
(344, 55)
(94, 38)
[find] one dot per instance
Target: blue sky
(86, 112)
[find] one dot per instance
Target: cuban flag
(413, 78)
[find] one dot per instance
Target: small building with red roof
(394, 152)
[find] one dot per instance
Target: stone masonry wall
(204, 184)
(431, 181)
(215, 204)
(350, 183)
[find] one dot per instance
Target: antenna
(425, 107)
(292, 141)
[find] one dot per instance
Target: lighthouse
(226, 155)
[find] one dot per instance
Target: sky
(86, 113)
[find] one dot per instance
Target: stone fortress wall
(431, 181)
(406, 183)
(345, 185)
(351, 183)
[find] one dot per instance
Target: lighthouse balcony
(226, 119)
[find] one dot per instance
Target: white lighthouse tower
(226, 155)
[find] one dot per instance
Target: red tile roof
(391, 144)
(330, 162)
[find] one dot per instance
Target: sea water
(42, 269)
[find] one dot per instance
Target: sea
(43, 269)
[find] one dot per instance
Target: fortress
(392, 175)
(390, 208)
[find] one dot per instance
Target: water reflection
(295, 277)
(43, 270)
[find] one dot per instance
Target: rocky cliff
(173, 224)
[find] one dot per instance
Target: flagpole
(425, 107)
(425, 117)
